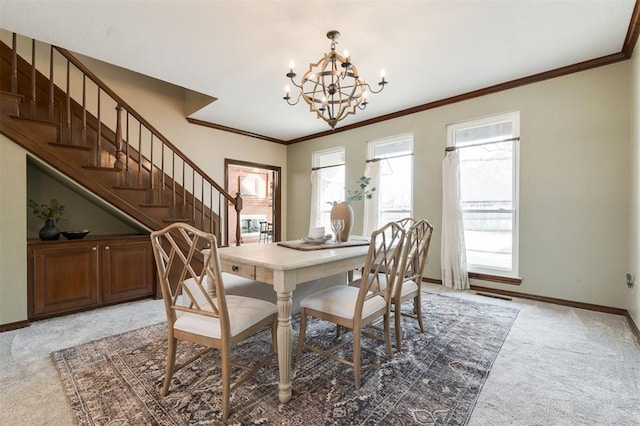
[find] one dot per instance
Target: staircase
(68, 118)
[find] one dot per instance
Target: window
(395, 183)
(330, 169)
(488, 153)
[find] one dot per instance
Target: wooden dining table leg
(284, 344)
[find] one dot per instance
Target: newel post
(118, 163)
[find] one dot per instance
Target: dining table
(286, 265)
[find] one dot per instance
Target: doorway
(259, 186)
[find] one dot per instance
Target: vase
(345, 212)
(49, 231)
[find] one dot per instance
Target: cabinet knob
(234, 268)
(106, 248)
(94, 248)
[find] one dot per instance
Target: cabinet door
(126, 269)
(65, 278)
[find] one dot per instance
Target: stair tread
(34, 120)
(154, 205)
(102, 169)
(65, 145)
(132, 188)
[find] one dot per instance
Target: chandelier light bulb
(291, 65)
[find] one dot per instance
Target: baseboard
(634, 327)
(14, 326)
(563, 302)
(588, 306)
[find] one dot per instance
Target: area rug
(434, 380)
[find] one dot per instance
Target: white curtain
(314, 208)
(372, 206)
(453, 255)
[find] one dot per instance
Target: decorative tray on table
(317, 240)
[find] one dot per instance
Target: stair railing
(146, 159)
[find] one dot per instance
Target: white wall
(13, 241)
(574, 179)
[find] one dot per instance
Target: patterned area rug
(435, 380)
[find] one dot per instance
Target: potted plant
(49, 213)
(343, 210)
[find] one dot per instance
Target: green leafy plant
(359, 194)
(51, 211)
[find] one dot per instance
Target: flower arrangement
(52, 211)
(359, 194)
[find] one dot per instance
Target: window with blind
(488, 159)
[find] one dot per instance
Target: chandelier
(332, 86)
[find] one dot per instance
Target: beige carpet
(558, 365)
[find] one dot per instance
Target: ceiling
(239, 51)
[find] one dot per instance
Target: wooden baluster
(152, 183)
(69, 97)
(126, 166)
(202, 201)
(14, 64)
(139, 154)
(222, 200)
(211, 209)
(51, 86)
(32, 100)
(173, 178)
(118, 163)
(184, 185)
(84, 109)
(99, 135)
(193, 193)
(162, 171)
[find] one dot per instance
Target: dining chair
(356, 307)
(197, 308)
(266, 232)
(413, 259)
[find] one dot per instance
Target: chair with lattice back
(413, 259)
(197, 308)
(356, 306)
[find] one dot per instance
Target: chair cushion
(243, 313)
(408, 287)
(341, 301)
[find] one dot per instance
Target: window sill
(495, 278)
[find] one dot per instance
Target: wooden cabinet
(70, 276)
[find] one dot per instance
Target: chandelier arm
(381, 84)
(299, 86)
(288, 99)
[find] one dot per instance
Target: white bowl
(317, 232)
